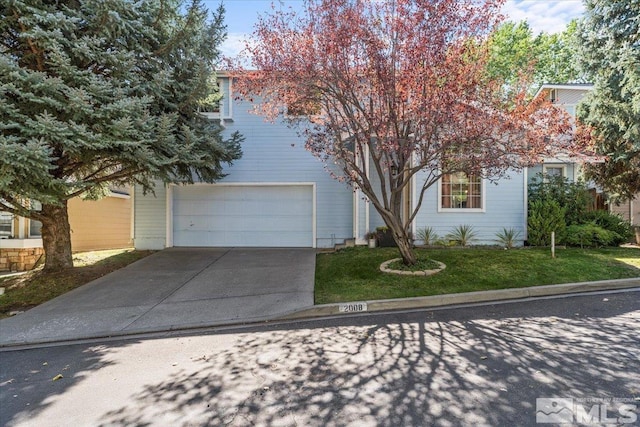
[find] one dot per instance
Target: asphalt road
(482, 365)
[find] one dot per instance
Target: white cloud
(551, 16)
(234, 43)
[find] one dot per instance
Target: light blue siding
(504, 207)
(272, 153)
(150, 221)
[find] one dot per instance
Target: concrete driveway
(172, 289)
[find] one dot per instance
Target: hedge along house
(280, 195)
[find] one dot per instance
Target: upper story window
(461, 191)
(223, 108)
(554, 171)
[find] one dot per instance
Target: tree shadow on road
(480, 369)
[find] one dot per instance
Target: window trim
(483, 197)
(546, 166)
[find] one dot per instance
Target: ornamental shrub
(611, 222)
(590, 235)
(545, 216)
(573, 197)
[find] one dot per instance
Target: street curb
(327, 310)
(461, 298)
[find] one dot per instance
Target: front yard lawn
(35, 287)
(353, 274)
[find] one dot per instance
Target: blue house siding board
(150, 218)
(504, 207)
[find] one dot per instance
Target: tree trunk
(402, 239)
(405, 246)
(56, 237)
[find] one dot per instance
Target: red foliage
(403, 81)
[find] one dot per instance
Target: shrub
(462, 235)
(427, 235)
(545, 216)
(611, 222)
(508, 237)
(590, 235)
(573, 197)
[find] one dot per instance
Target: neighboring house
(628, 210)
(279, 195)
(101, 224)
(568, 96)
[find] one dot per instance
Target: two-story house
(279, 195)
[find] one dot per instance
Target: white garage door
(265, 216)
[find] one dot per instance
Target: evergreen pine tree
(104, 92)
(609, 42)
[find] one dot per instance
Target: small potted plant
(372, 239)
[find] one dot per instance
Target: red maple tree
(400, 86)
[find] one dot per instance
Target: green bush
(590, 235)
(611, 222)
(573, 197)
(545, 216)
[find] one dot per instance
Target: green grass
(353, 274)
(36, 287)
(421, 264)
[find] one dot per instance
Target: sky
(550, 16)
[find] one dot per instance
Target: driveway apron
(173, 289)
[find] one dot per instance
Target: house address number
(352, 307)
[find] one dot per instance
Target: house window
(6, 225)
(554, 171)
(35, 228)
(461, 191)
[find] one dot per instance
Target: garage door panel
(214, 215)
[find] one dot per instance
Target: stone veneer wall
(19, 259)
